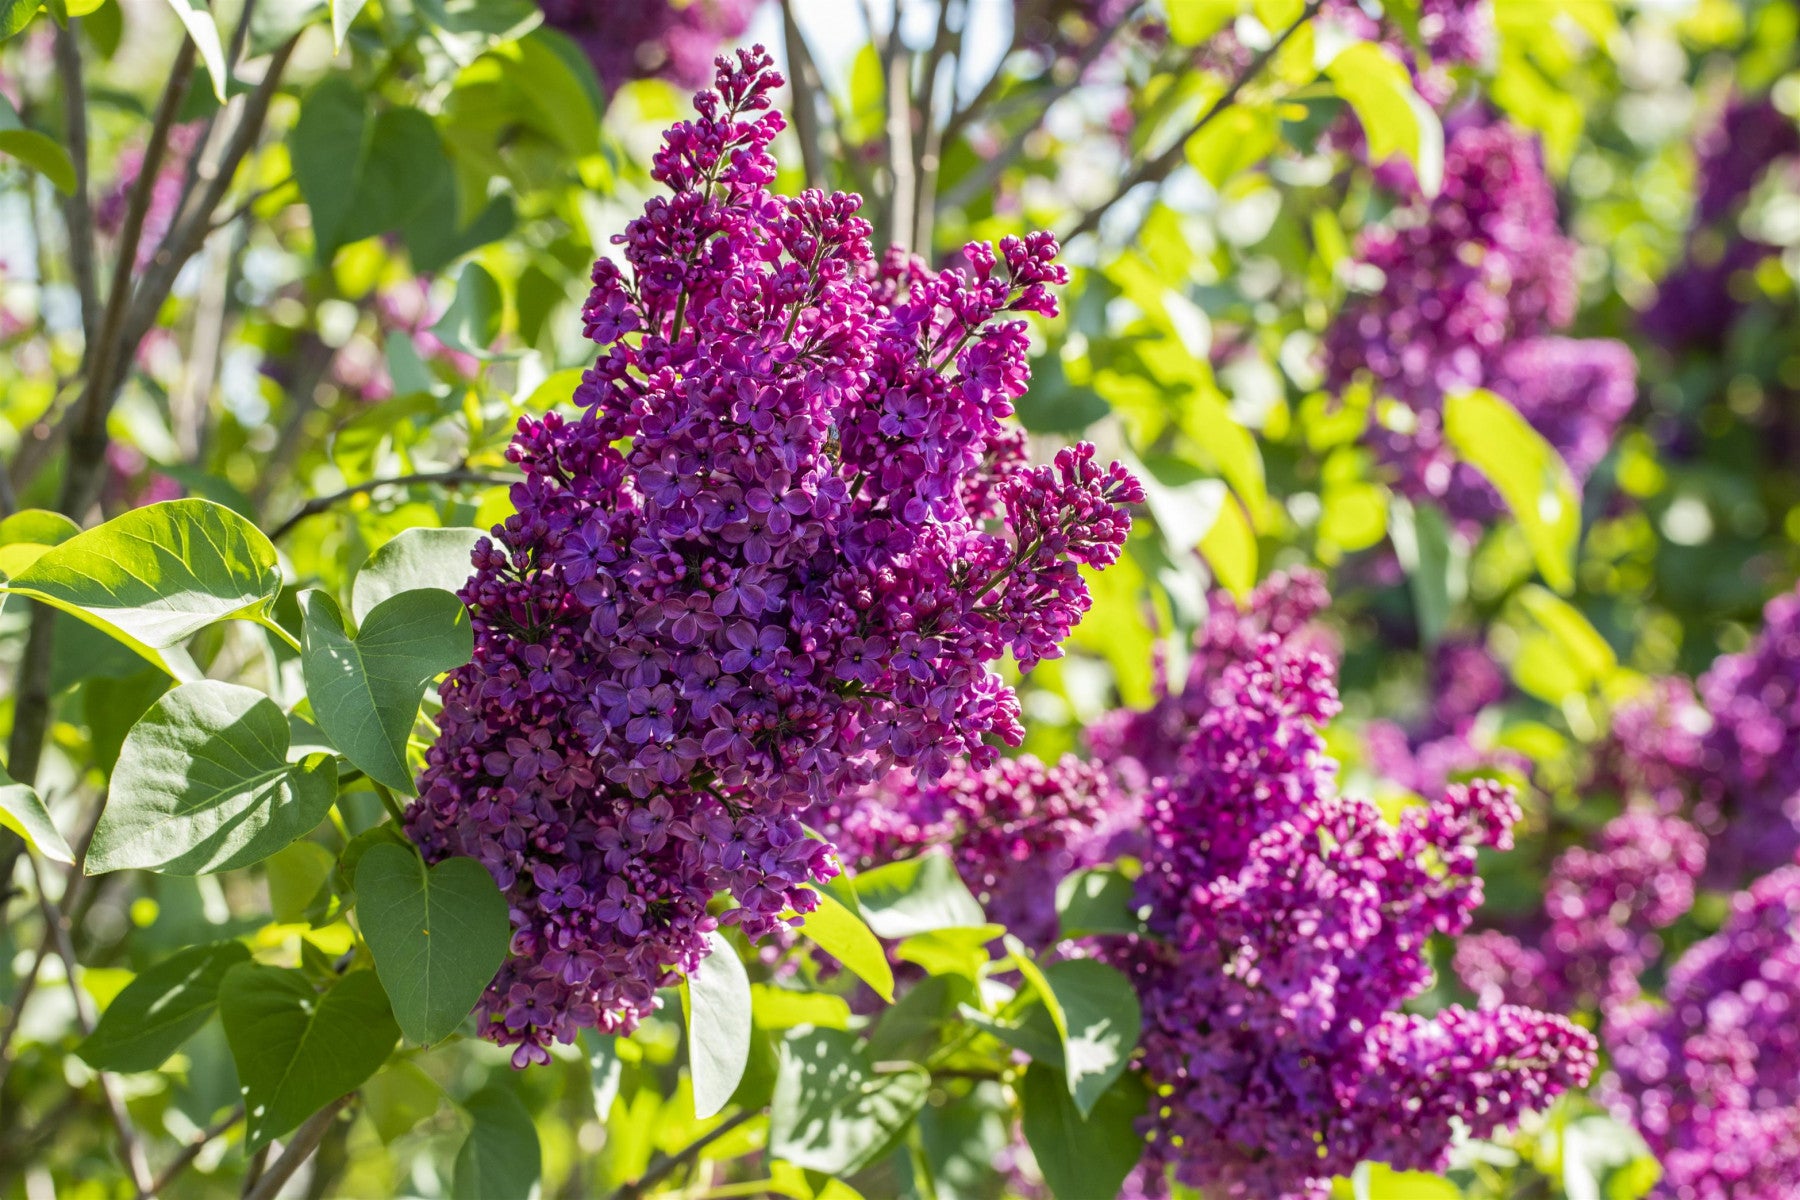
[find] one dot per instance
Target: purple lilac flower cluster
(1445, 745)
(1711, 1076)
(1142, 745)
(674, 40)
(112, 205)
(773, 559)
(1290, 926)
(1604, 907)
(1701, 299)
(1473, 283)
(1014, 830)
(1749, 781)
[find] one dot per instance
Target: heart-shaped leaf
(297, 1050)
(203, 784)
(22, 811)
(414, 558)
(719, 1019)
(365, 690)
(832, 1111)
(157, 575)
(438, 935)
(1100, 1025)
(500, 1160)
(161, 1009)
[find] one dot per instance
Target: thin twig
(300, 1147)
(1157, 169)
(982, 178)
(669, 1164)
(58, 931)
(945, 44)
(191, 1151)
(77, 212)
(319, 504)
(897, 220)
(803, 77)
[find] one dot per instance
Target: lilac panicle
(1711, 1076)
(1604, 907)
(674, 40)
(771, 560)
(1473, 282)
(1290, 927)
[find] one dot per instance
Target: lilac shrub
(1290, 926)
(772, 559)
(1711, 1076)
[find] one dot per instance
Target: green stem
(389, 802)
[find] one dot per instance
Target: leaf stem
(390, 802)
(320, 504)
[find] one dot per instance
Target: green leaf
(951, 951)
(1581, 645)
(847, 938)
(1436, 565)
(365, 690)
(1491, 436)
(1378, 1181)
(27, 535)
(203, 785)
(1192, 22)
(719, 1019)
(157, 575)
(832, 1111)
(329, 149)
(438, 935)
(1394, 117)
(472, 321)
(297, 1050)
(398, 1097)
(36, 150)
(500, 1159)
(1082, 1158)
(161, 1009)
(296, 876)
(343, 12)
(1229, 548)
(1100, 1026)
(197, 19)
(413, 559)
(606, 1071)
(917, 895)
(15, 15)
(1096, 901)
(22, 811)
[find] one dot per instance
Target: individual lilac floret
(1711, 1076)
(674, 40)
(773, 559)
(1143, 744)
(1290, 927)
(1014, 831)
(1604, 907)
(1750, 774)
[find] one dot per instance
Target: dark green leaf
(298, 1050)
(472, 322)
(329, 148)
(438, 935)
(297, 875)
(414, 558)
(157, 575)
(161, 1009)
(203, 785)
(719, 1018)
(832, 1111)
(500, 1159)
(1082, 1158)
(36, 150)
(917, 895)
(365, 690)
